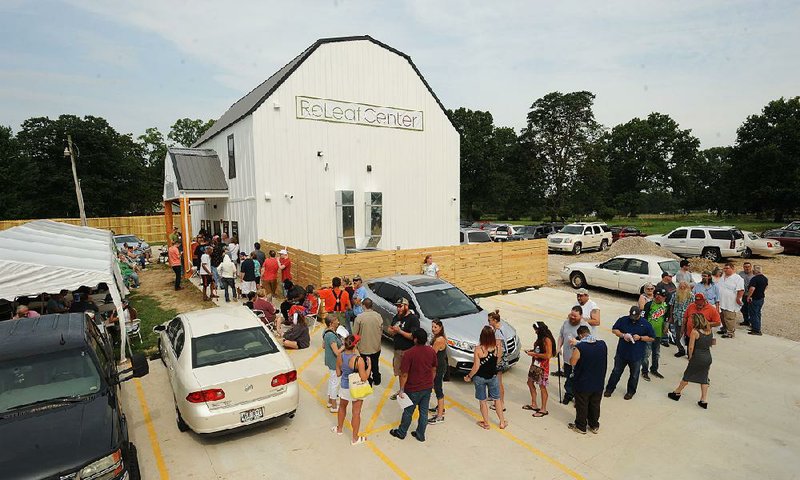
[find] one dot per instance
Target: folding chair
(133, 328)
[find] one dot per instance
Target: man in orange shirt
(337, 301)
(700, 306)
(174, 258)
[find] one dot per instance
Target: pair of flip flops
(537, 411)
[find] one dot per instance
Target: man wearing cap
(403, 326)
(359, 294)
(417, 371)
(655, 311)
(731, 291)
(701, 306)
(568, 332)
(634, 333)
(285, 265)
(589, 310)
(369, 326)
(671, 289)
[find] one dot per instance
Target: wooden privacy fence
(150, 228)
(476, 269)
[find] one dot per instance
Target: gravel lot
(782, 299)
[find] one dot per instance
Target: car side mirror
(159, 328)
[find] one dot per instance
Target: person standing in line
(486, 359)
(746, 274)
(205, 274)
(708, 288)
(174, 259)
(589, 362)
(285, 265)
(755, 299)
(633, 332)
(701, 306)
(248, 275)
(369, 326)
(731, 290)
(260, 256)
(358, 296)
(439, 345)
(174, 236)
(670, 288)
(349, 315)
(269, 273)
(569, 330)
(403, 325)
(337, 302)
(680, 302)
(684, 274)
(496, 323)
(334, 346)
(539, 373)
(348, 362)
(647, 294)
(418, 370)
(429, 268)
(217, 252)
(716, 274)
(655, 312)
(589, 310)
(233, 250)
(227, 274)
(700, 342)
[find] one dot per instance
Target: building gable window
(231, 158)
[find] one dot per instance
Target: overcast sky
(143, 63)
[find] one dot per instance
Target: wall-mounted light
(276, 105)
(267, 196)
(453, 199)
(320, 153)
(288, 196)
(369, 168)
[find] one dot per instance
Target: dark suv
(60, 411)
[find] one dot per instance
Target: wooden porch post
(168, 220)
(186, 226)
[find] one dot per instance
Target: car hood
(57, 439)
(468, 327)
(563, 235)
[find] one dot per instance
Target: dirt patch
(157, 281)
(781, 302)
(630, 246)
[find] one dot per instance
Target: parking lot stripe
(519, 441)
(381, 403)
(151, 431)
(320, 383)
(310, 360)
(543, 312)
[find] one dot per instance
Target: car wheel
(182, 427)
(577, 280)
(576, 250)
(747, 253)
(604, 245)
(712, 254)
(133, 463)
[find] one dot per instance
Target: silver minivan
(434, 298)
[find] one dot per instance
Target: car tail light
(284, 378)
(733, 244)
(769, 244)
(211, 395)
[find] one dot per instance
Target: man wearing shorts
(402, 328)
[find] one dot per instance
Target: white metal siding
(417, 172)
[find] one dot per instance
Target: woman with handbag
(484, 375)
(502, 364)
(350, 366)
(539, 373)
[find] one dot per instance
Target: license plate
(250, 415)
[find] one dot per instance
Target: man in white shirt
(591, 312)
(731, 290)
(205, 272)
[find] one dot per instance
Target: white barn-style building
(344, 148)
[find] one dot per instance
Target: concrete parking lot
(749, 431)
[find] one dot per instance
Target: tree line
(119, 174)
(565, 164)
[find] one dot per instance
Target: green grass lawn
(151, 314)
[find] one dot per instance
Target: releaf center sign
(325, 110)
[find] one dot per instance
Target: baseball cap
(660, 291)
(635, 311)
(699, 295)
(665, 274)
(283, 252)
(357, 338)
(401, 301)
(582, 291)
(357, 278)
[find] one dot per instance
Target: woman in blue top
(348, 362)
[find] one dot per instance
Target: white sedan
(626, 273)
(226, 370)
(755, 245)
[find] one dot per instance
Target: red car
(790, 239)
(622, 232)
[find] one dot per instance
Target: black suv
(60, 411)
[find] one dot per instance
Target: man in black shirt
(402, 329)
(755, 299)
(589, 364)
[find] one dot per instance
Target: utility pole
(70, 152)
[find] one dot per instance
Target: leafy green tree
(476, 130)
(765, 167)
(560, 131)
(185, 131)
(12, 165)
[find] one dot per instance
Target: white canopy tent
(44, 256)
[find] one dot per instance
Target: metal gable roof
(197, 169)
(250, 102)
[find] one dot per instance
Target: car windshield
(479, 237)
(129, 239)
(573, 229)
(450, 302)
(670, 266)
(231, 346)
(40, 378)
